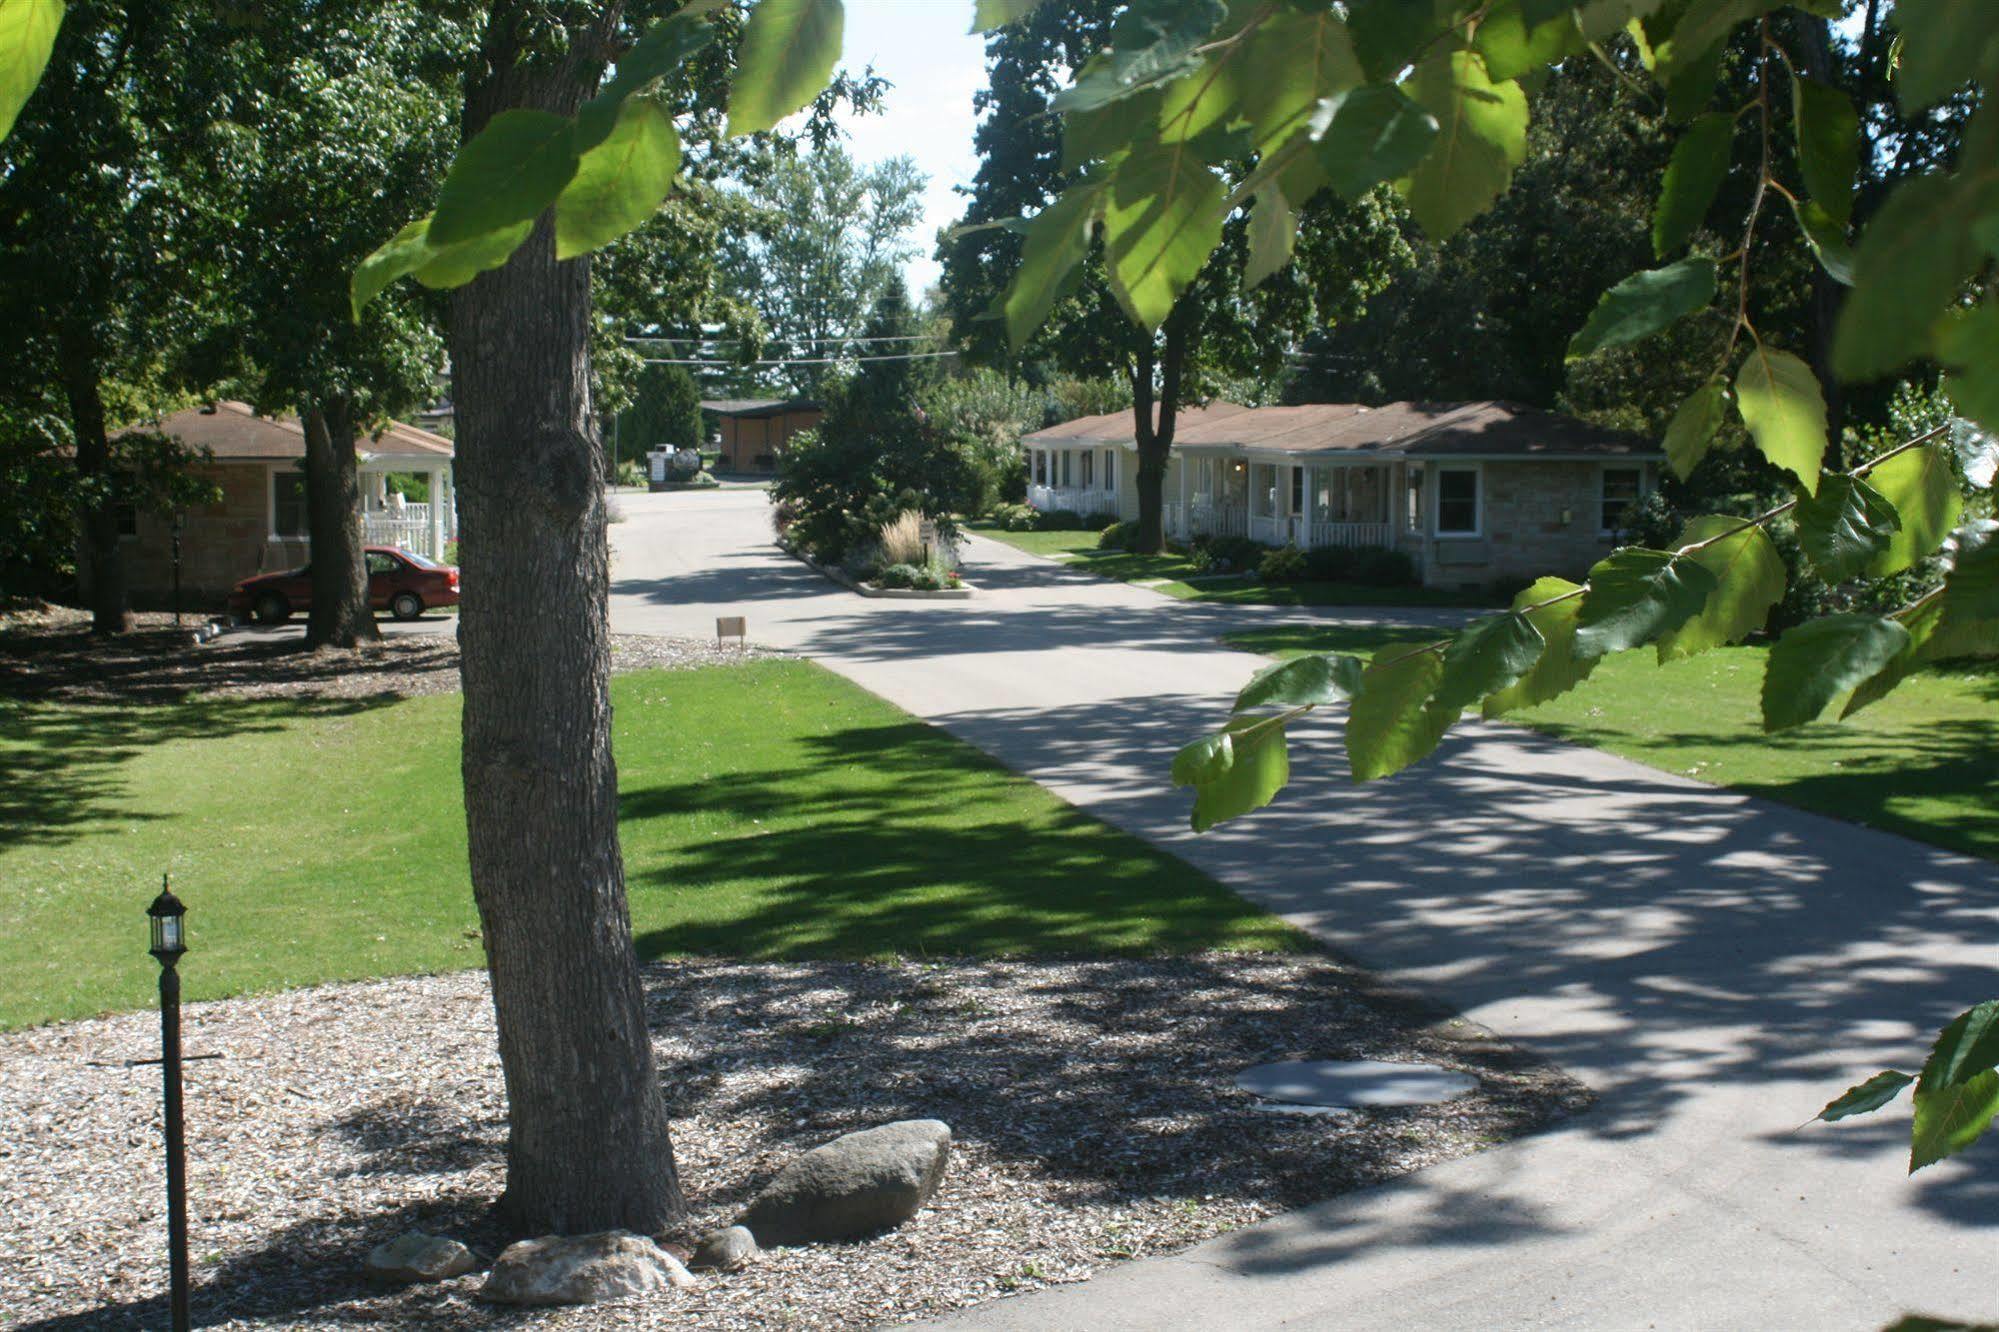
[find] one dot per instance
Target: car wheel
(272, 608)
(406, 606)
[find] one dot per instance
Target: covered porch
(388, 518)
(1214, 493)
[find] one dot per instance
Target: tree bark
(588, 1146)
(1155, 431)
(340, 613)
(102, 562)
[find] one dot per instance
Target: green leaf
(1636, 595)
(1289, 65)
(1391, 724)
(1691, 432)
(1749, 580)
(1952, 1117)
(1240, 768)
(1057, 240)
(1819, 660)
(619, 183)
(402, 254)
(1321, 677)
(1923, 490)
(1944, 45)
(1828, 145)
(1273, 230)
(1845, 527)
(1388, 34)
(1827, 239)
(661, 51)
(1149, 44)
(1693, 176)
(1513, 44)
(455, 265)
(1481, 138)
(788, 53)
(1487, 656)
(1912, 262)
(992, 14)
(1779, 399)
(1971, 588)
(1099, 132)
(1931, 638)
(1967, 1047)
(1164, 219)
(510, 171)
(1559, 669)
(1644, 303)
(1373, 134)
(1967, 342)
(27, 35)
(1702, 26)
(1690, 83)
(1866, 1097)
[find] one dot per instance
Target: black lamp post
(169, 942)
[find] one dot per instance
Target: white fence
(408, 527)
(1078, 499)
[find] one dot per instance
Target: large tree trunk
(102, 562)
(1155, 431)
(340, 613)
(588, 1146)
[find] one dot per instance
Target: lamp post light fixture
(169, 936)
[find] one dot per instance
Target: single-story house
(754, 431)
(1473, 491)
(258, 524)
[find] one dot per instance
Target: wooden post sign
(926, 532)
(730, 626)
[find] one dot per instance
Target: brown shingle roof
(753, 407)
(231, 430)
(1399, 429)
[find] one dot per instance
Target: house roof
(232, 431)
(759, 406)
(1399, 429)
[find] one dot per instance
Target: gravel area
(1092, 1100)
(50, 655)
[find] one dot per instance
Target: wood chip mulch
(50, 656)
(1093, 1104)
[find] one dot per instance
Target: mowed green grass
(1183, 580)
(1923, 762)
(768, 810)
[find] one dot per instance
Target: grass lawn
(769, 810)
(1186, 582)
(1923, 762)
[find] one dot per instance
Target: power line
(803, 342)
(808, 360)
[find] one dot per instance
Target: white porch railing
(408, 527)
(1351, 534)
(1206, 518)
(1079, 499)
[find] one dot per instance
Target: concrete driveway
(1715, 966)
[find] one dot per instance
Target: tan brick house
(258, 524)
(1474, 492)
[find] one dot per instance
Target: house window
(1263, 490)
(1066, 482)
(1089, 461)
(1621, 486)
(288, 518)
(1457, 501)
(1040, 467)
(1297, 490)
(1109, 474)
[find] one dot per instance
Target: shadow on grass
(913, 861)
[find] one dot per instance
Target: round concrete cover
(1347, 1083)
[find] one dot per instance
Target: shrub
(1098, 521)
(1058, 520)
(630, 473)
(1329, 564)
(931, 578)
(1012, 517)
(900, 575)
(782, 515)
(1379, 566)
(1118, 536)
(1226, 554)
(1286, 564)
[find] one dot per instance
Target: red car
(400, 582)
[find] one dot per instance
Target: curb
(852, 584)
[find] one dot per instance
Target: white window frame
(1603, 472)
(271, 505)
(1107, 479)
(1477, 531)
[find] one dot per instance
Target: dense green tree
(665, 412)
(1236, 320)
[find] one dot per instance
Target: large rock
(853, 1185)
(415, 1256)
(583, 1269)
(724, 1250)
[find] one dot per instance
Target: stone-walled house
(258, 524)
(1474, 492)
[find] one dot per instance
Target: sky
(924, 49)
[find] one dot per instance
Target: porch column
(1186, 521)
(435, 476)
